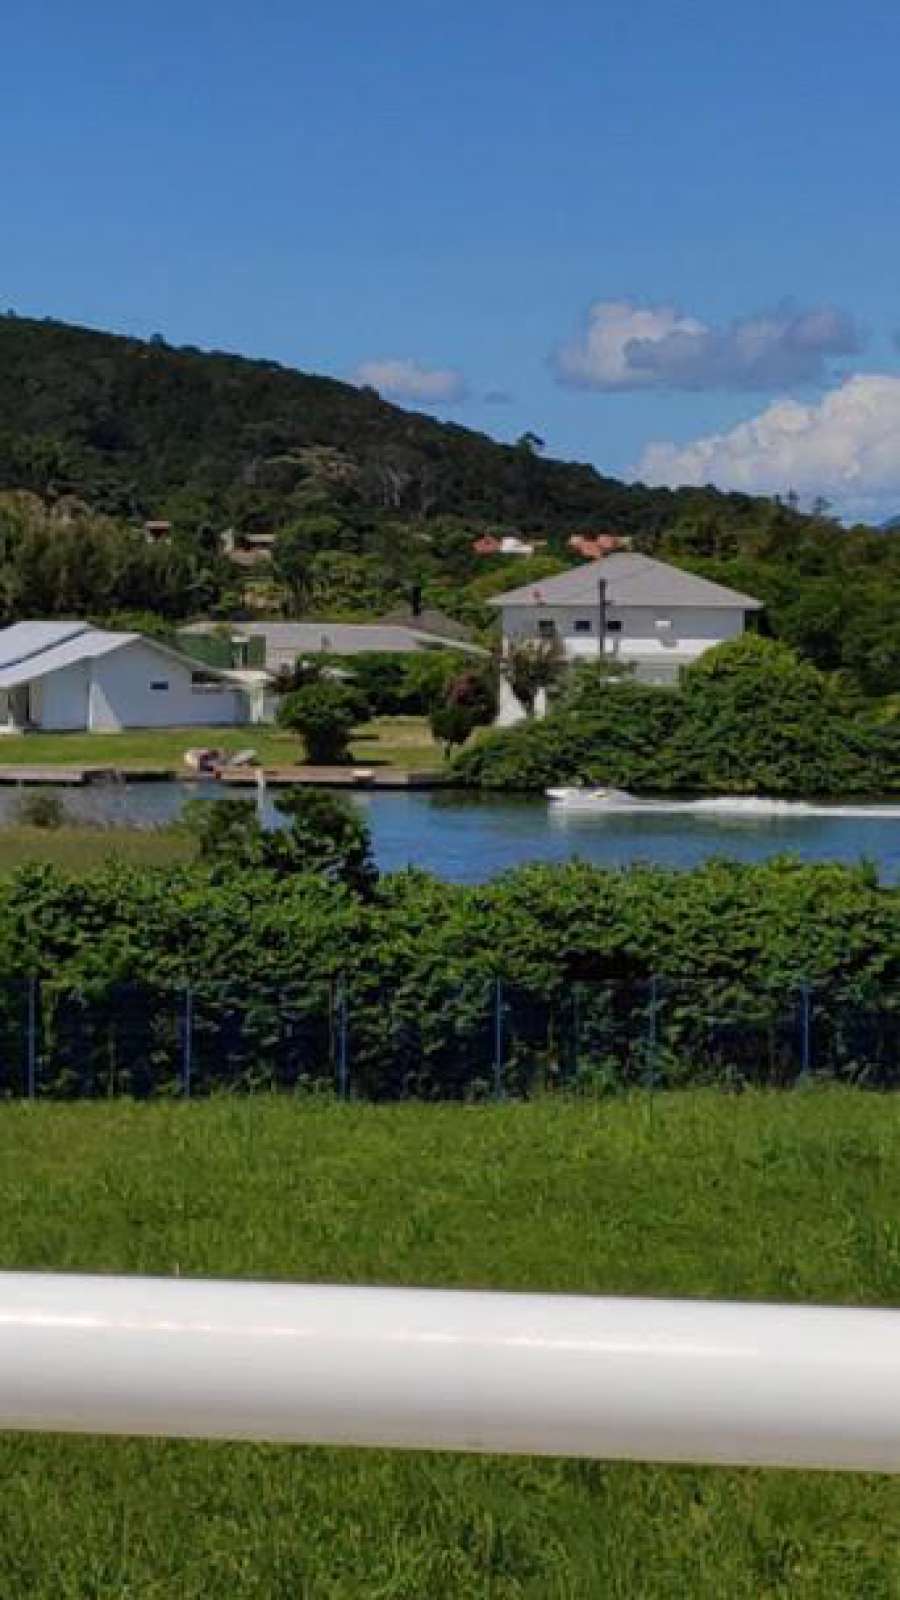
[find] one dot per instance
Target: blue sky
(629, 225)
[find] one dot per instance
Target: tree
(452, 724)
(532, 665)
(531, 443)
(324, 714)
(469, 702)
(327, 836)
(322, 834)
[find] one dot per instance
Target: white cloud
(408, 380)
(847, 448)
(624, 345)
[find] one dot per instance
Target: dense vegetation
(595, 968)
(785, 1198)
(832, 593)
(143, 429)
(750, 718)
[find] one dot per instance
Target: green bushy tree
(324, 713)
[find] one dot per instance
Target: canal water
(469, 838)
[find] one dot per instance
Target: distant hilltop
(128, 425)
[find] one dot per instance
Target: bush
(261, 948)
(324, 713)
(324, 835)
(42, 808)
(396, 683)
(749, 718)
(469, 701)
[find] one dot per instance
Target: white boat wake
(616, 802)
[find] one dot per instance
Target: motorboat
(725, 808)
(589, 797)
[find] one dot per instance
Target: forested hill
(141, 429)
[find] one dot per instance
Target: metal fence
(472, 1039)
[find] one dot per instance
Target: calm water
(467, 839)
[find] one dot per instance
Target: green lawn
(792, 1197)
(393, 741)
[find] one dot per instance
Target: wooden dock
(232, 777)
(77, 777)
(363, 778)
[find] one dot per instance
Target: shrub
(323, 835)
(750, 718)
(324, 714)
(42, 808)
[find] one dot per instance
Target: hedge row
(677, 974)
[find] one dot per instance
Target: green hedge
(750, 718)
(275, 963)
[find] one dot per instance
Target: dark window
(160, 683)
(582, 625)
(547, 630)
(613, 625)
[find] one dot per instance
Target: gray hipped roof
(631, 580)
(337, 638)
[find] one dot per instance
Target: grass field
(79, 849)
(391, 741)
(794, 1197)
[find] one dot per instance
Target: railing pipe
(654, 1380)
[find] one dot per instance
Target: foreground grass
(792, 1198)
(392, 741)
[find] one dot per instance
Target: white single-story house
(652, 617)
(288, 642)
(63, 676)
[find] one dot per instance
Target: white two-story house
(651, 617)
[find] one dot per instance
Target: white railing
(654, 1380)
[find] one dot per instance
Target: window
(546, 630)
(613, 625)
(160, 684)
(582, 625)
(664, 623)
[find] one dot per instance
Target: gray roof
(427, 621)
(30, 650)
(336, 638)
(79, 644)
(25, 639)
(631, 580)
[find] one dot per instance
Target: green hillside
(127, 425)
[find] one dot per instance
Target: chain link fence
(461, 1040)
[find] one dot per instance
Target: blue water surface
(469, 839)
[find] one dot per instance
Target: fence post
(31, 1040)
(498, 1039)
(805, 1029)
(343, 1039)
(576, 1033)
(653, 1038)
(187, 1043)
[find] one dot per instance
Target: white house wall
(122, 696)
(60, 700)
(694, 629)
